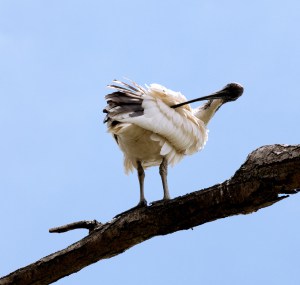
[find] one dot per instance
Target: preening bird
(155, 126)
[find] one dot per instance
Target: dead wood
(269, 175)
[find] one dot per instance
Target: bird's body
(151, 130)
(160, 131)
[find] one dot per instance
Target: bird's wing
(180, 131)
(127, 100)
(124, 103)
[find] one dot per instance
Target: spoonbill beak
(229, 93)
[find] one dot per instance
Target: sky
(59, 165)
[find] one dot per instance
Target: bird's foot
(141, 204)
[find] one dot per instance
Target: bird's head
(229, 93)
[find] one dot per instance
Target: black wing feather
(126, 101)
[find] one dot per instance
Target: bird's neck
(207, 111)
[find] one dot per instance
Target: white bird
(156, 126)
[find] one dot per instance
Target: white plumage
(151, 130)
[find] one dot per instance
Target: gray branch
(269, 175)
(89, 225)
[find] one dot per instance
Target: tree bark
(269, 174)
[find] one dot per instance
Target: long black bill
(230, 92)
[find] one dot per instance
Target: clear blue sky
(58, 164)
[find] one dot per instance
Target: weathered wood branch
(268, 173)
(89, 225)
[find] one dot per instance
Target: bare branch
(89, 225)
(268, 172)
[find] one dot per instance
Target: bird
(156, 126)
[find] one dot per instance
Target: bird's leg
(141, 176)
(143, 202)
(163, 171)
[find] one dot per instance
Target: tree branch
(268, 172)
(89, 225)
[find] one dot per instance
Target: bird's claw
(141, 204)
(162, 201)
